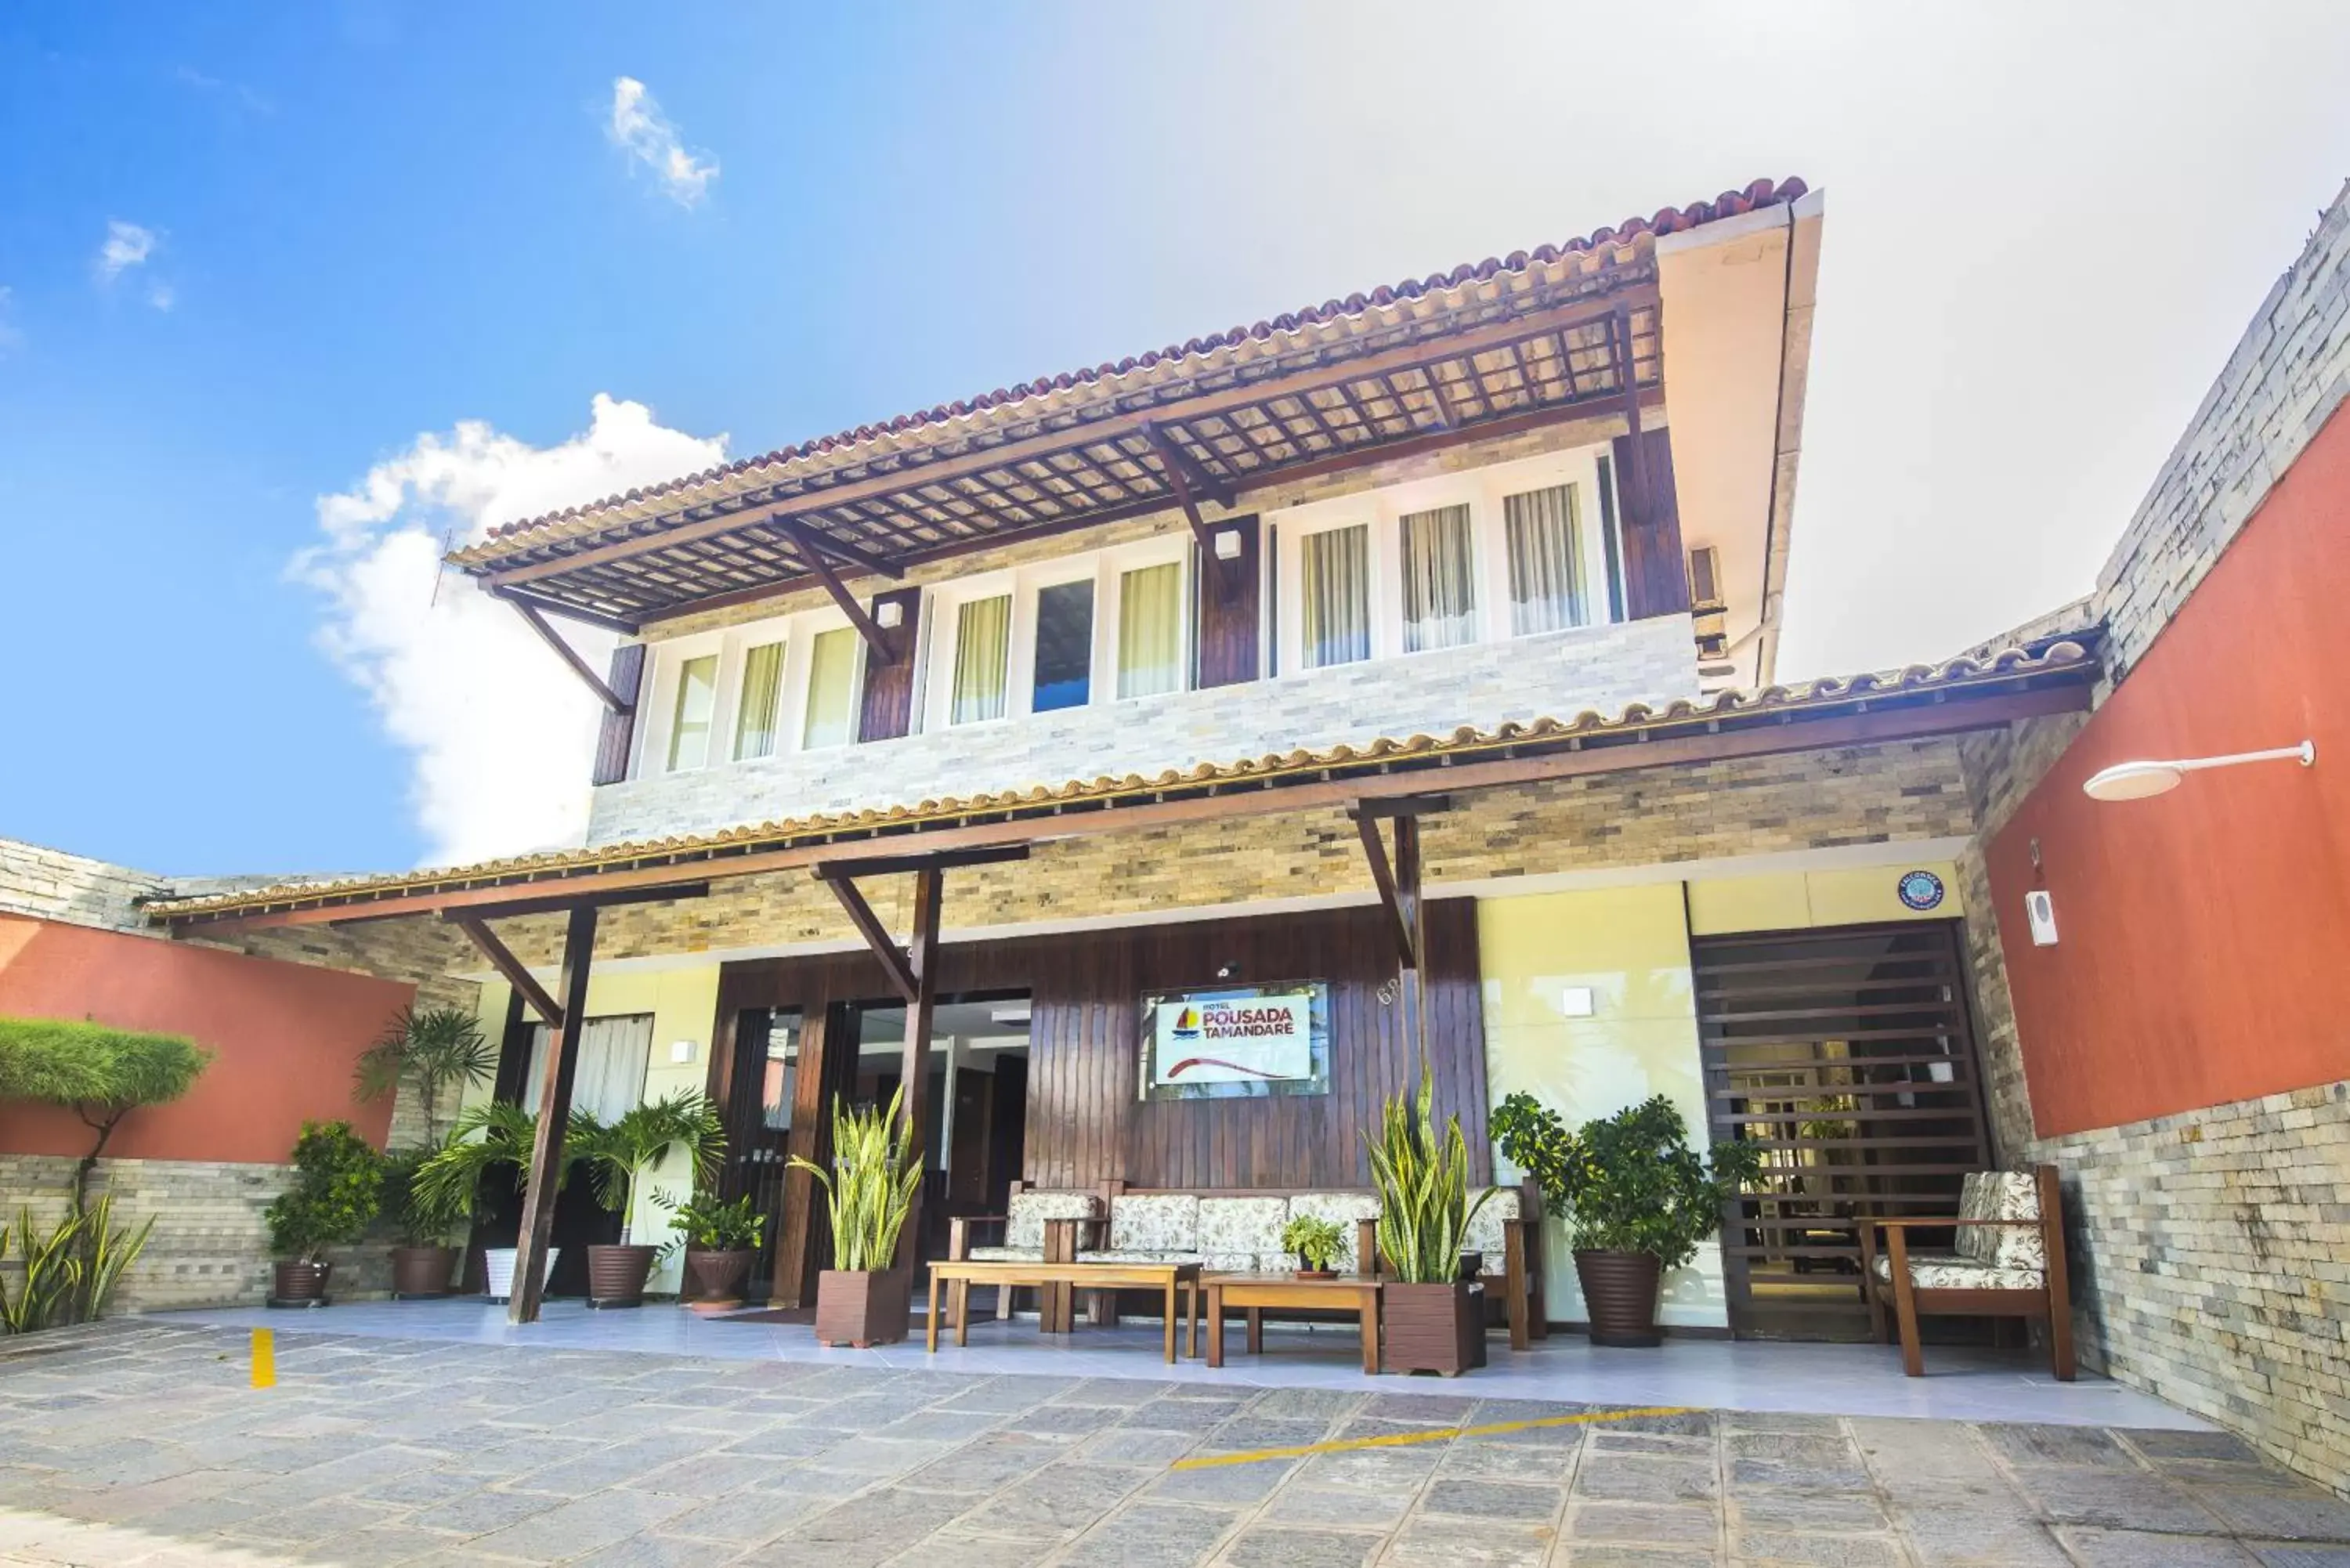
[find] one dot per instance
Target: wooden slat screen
(1655, 577)
(1846, 1056)
(619, 729)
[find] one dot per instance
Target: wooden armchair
(2007, 1261)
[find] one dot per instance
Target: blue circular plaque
(1920, 890)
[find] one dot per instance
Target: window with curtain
(1150, 630)
(982, 659)
(754, 715)
(1334, 594)
(1546, 544)
(1064, 646)
(1440, 610)
(610, 1080)
(832, 690)
(697, 701)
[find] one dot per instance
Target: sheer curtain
(1335, 595)
(983, 655)
(1438, 608)
(697, 697)
(1546, 544)
(832, 688)
(754, 722)
(610, 1080)
(1150, 630)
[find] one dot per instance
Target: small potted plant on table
(1317, 1243)
(722, 1242)
(1433, 1320)
(1637, 1199)
(338, 1185)
(623, 1153)
(861, 1300)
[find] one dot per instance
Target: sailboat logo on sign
(1187, 1024)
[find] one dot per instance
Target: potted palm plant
(338, 1184)
(488, 1136)
(428, 1220)
(623, 1152)
(429, 1052)
(1637, 1199)
(1317, 1243)
(861, 1300)
(1433, 1320)
(722, 1242)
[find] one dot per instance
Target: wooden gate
(1847, 1057)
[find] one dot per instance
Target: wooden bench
(2007, 1263)
(959, 1276)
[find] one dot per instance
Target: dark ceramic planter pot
(1431, 1328)
(616, 1275)
(421, 1273)
(1620, 1294)
(298, 1284)
(716, 1278)
(860, 1309)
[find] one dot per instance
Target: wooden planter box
(1432, 1328)
(861, 1309)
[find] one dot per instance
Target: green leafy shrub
(1626, 1183)
(337, 1187)
(421, 1215)
(101, 1075)
(623, 1151)
(1317, 1242)
(1423, 1184)
(67, 1275)
(709, 1226)
(878, 1173)
(427, 1051)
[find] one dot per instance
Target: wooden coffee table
(1253, 1293)
(959, 1275)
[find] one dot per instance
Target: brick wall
(50, 885)
(1556, 674)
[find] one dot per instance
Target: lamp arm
(2305, 754)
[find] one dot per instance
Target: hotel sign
(1242, 1041)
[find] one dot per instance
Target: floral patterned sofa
(2007, 1260)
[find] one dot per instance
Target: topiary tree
(101, 1075)
(428, 1050)
(338, 1187)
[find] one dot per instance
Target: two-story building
(1406, 662)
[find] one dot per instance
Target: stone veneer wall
(2210, 1248)
(209, 1245)
(1556, 674)
(50, 885)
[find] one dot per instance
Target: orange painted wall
(2204, 935)
(284, 1037)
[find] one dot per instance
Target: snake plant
(877, 1174)
(1423, 1185)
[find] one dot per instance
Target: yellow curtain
(983, 655)
(697, 697)
(754, 718)
(832, 690)
(1150, 630)
(1546, 544)
(1335, 595)
(1438, 606)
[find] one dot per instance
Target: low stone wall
(211, 1244)
(50, 885)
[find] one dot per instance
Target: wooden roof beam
(501, 959)
(802, 535)
(1180, 463)
(570, 656)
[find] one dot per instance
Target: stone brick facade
(1556, 674)
(209, 1245)
(50, 885)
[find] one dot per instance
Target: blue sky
(366, 223)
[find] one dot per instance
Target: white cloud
(639, 127)
(500, 731)
(162, 296)
(127, 245)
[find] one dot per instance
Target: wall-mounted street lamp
(2136, 781)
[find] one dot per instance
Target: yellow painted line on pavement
(1434, 1435)
(265, 1359)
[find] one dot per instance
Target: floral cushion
(1008, 1254)
(1949, 1272)
(1027, 1214)
(1138, 1255)
(1154, 1222)
(1486, 1229)
(2001, 1194)
(1242, 1225)
(1344, 1209)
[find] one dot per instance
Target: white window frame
(657, 716)
(1482, 491)
(943, 613)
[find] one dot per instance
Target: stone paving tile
(2095, 1547)
(744, 1518)
(1152, 1535)
(580, 1525)
(950, 1548)
(1801, 1509)
(1971, 1536)
(1061, 1499)
(1479, 1458)
(1646, 1478)
(2274, 1513)
(1777, 1547)
(1439, 1544)
(1679, 1524)
(2027, 1446)
(1343, 1507)
(2284, 1554)
(1492, 1500)
(1276, 1546)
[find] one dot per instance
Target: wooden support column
(914, 1072)
(554, 1119)
(1398, 887)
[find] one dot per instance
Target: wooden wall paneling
(1230, 593)
(887, 708)
(1656, 571)
(619, 731)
